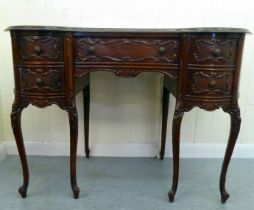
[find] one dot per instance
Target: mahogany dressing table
(201, 68)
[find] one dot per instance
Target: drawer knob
(38, 50)
(39, 81)
(216, 52)
(162, 50)
(91, 50)
(212, 84)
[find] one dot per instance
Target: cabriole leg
(73, 120)
(234, 131)
(16, 126)
(178, 115)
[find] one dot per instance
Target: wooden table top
(130, 30)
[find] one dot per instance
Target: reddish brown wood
(234, 131)
(71, 108)
(73, 120)
(136, 50)
(42, 80)
(17, 108)
(177, 119)
(208, 50)
(201, 68)
(235, 117)
(34, 48)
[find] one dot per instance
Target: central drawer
(130, 50)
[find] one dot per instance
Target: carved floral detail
(71, 109)
(40, 47)
(44, 102)
(41, 79)
(93, 58)
(215, 50)
(153, 42)
(79, 72)
(234, 110)
(209, 106)
(83, 43)
(185, 106)
(212, 79)
(17, 107)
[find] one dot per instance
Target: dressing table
(201, 68)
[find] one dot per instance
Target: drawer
(213, 51)
(131, 50)
(42, 80)
(40, 48)
(209, 83)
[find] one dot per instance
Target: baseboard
(129, 150)
(62, 149)
(2, 151)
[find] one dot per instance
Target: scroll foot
(224, 196)
(22, 191)
(75, 192)
(171, 196)
(234, 131)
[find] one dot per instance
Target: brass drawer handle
(216, 52)
(162, 50)
(91, 50)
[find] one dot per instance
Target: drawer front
(42, 80)
(40, 48)
(132, 50)
(209, 83)
(213, 51)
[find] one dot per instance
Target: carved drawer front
(209, 83)
(40, 48)
(42, 80)
(135, 50)
(213, 51)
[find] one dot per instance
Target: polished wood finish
(201, 68)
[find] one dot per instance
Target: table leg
(234, 131)
(73, 120)
(178, 115)
(165, 103)
(86, 101)
(16, 126)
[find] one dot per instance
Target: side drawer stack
(211, 68)
(40, 64)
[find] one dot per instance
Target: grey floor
(125, 184)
